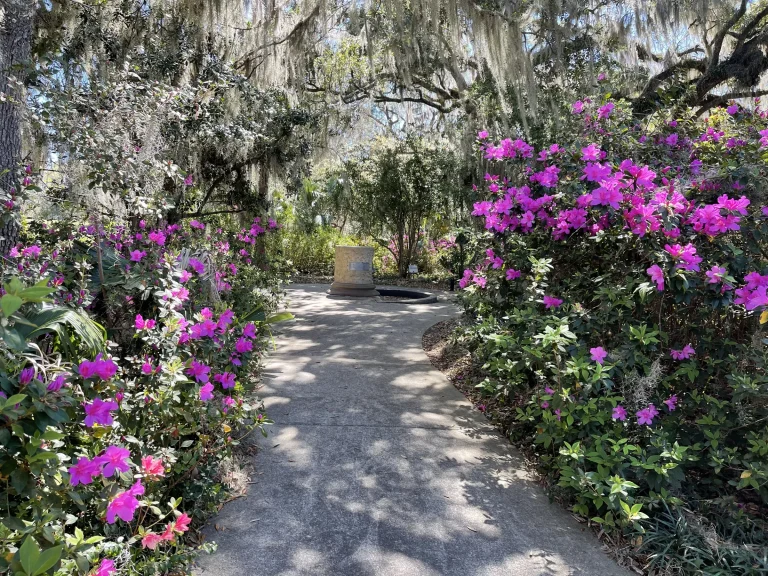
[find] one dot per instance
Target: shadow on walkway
(377, 465)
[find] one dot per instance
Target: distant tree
(398, 189)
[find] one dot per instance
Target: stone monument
(353, 272)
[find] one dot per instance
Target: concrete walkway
(377, 465)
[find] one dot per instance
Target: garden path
(377, 465)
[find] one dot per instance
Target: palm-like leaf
(71, 326)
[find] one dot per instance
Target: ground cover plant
(619, 302)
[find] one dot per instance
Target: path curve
(377, 465)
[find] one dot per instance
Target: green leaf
(66, 324)
(47, 560)
(36, 293)
(15, 399)
(29, 555)
(13, 339)
(9, 303)
(279, 317)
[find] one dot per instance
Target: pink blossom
(605, 111)
(197, 266)
(243, 345)
(552, 302)
(137, 255)
(151, 540)
(683, 354)
(84, 471)
(226, 379)
(671, 140)
(619, 413)
(733, 109)
(591, 153)
(513, 274)
(151, 466)
(206, 392)
(577, 107)
(125, 504)
(196, 224)
(671, 402)
(157, 237)
(657, 275)
(249, 330)
(100, 412)
(466, 279)
(482, 135)
(645, 416)
(199, 371)
(115, 460)
(106, 568)
(226, 403)
(598, 354)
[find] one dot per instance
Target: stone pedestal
(353, 272)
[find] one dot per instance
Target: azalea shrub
(129, 359)
(619, 305)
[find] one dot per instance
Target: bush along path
(110, 448)
(378, 465)
(618, 307)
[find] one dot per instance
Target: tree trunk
(15, 41)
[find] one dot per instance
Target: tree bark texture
(16, 18)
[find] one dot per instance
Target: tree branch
(715, 101)
(717, 43)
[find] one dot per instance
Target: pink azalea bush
(648, 247)
(111, 448)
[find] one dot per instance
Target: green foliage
(642, 436)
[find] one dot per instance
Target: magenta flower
(26, 376)
(552, 302)
(715, 275)
(100, 412)
(577, 107)
(548, 390)
(157, 237)
(466, 279)
(243, 345)
(226, 379)
(57, 383)
(249, 330)
(84, 471)
(198, 371)
(605, 111)
(733, 109)
(226, 403)
(137, 255)
(482, 135)
(545, 404)
(480, 281)
(189, 180)
(671, 402)
(184, 276)
(115, 460)
(598, 354)
(657, 275)
(671, 140)
(645, 416)
(196, 224)
(106, 568)
(142, 324)
(619, 413)
(513, 274)
(197, 266)
(591, 153)
(206, 392)
(683, 354)
(125, 504)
